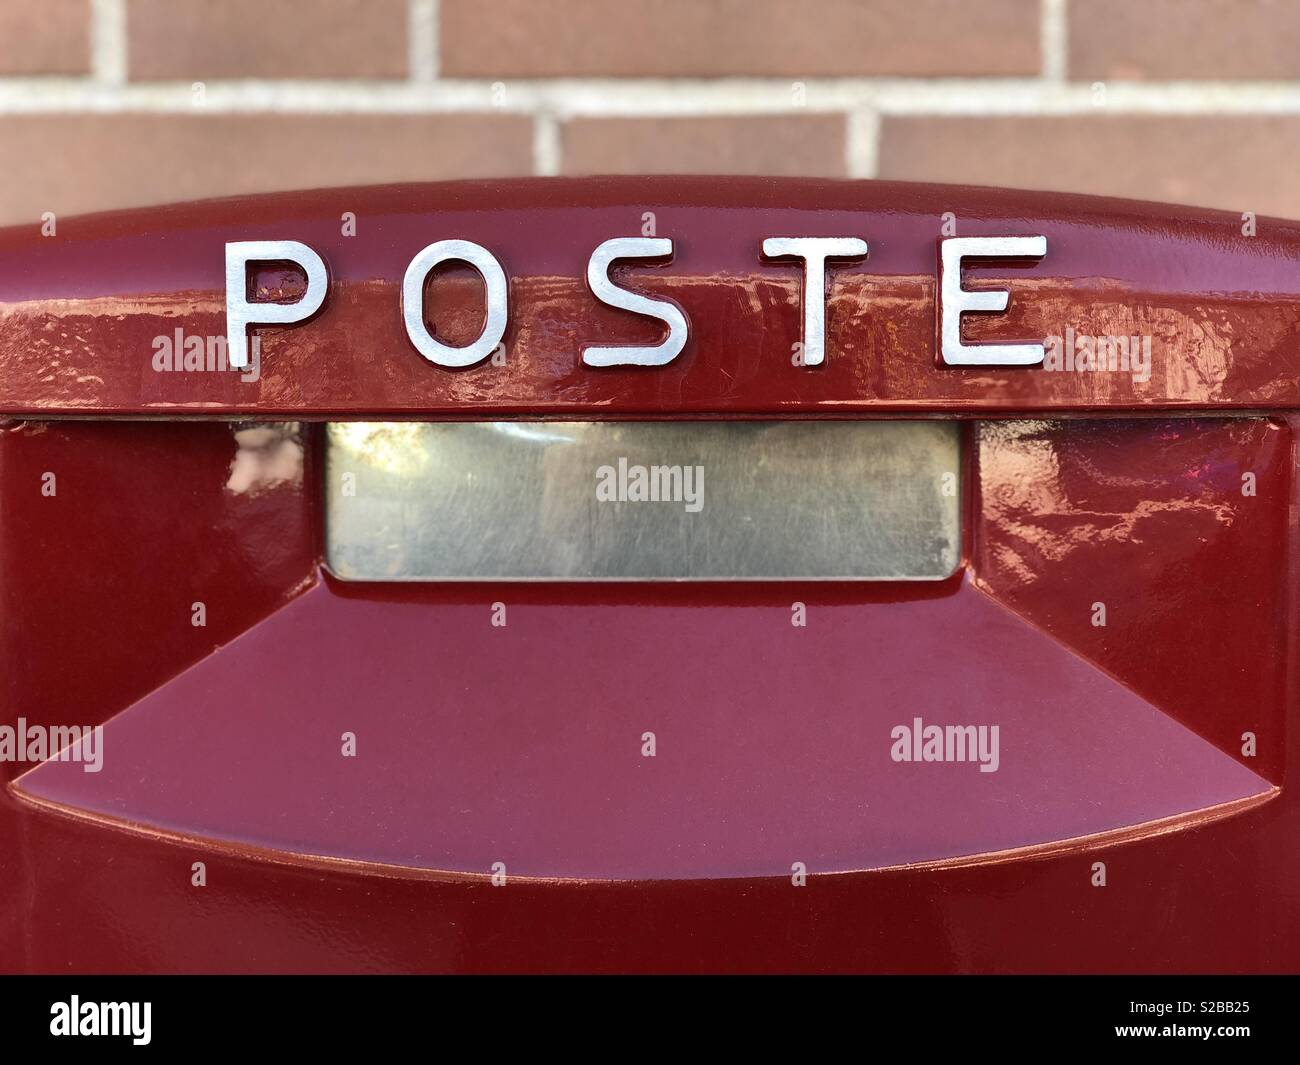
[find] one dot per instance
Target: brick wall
(112, 103)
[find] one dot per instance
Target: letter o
(494, 280)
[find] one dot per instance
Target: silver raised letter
(814, 251)
(240, 313)
(954, 300)
(609, 293)
(494, 281)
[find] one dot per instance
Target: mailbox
(653, 575)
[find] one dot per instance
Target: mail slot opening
(702, 500)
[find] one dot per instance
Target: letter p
(241, 313)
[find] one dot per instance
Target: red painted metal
(522, 745)
(79, 312)
(1150, 518)
(99, 579)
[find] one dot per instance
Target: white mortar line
(108, 41)
(644, 97)
(862, 144)
(546, 145)
(422, 39)
(1053, 23)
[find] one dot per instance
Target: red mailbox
(656, 574)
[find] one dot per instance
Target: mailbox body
(1168, 498)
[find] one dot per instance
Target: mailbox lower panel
(1122, 742)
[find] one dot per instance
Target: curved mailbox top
(618, 297)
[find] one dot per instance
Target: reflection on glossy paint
(266, 456)
(79, 314)
(1041, 494)
(1178, 526)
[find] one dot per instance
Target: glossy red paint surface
(79, 312)
(523, 745)
(145, 520)
(479, 744)
(777, 744)
(1150, 518)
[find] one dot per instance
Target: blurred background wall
(114, 103)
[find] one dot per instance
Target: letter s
(609, 293)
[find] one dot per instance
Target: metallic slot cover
(855, 500)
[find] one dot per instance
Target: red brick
(184, 39)
(716, 38)
(811, 145)
(44, 37)
(75, 163)
(1204, 39)
(1239, 162)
